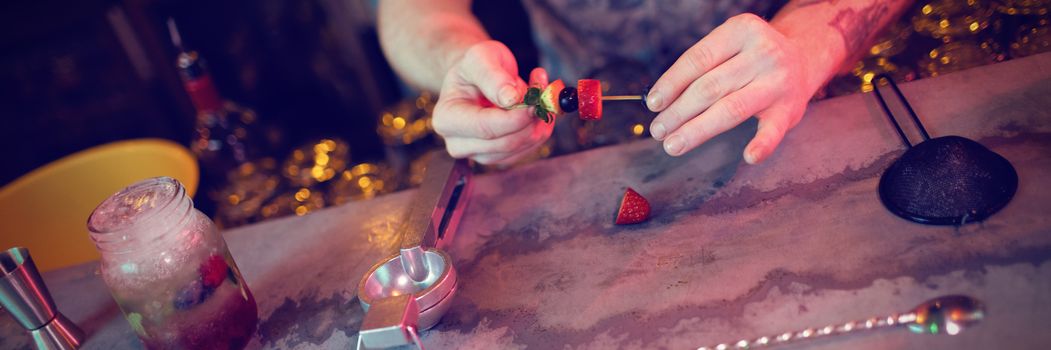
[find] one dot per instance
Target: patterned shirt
(577, 38)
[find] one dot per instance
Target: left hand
(744, 67)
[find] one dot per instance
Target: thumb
(773, 124)
(492, 68)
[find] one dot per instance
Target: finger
(492, 68)
(491, 159)
(725, 114)
(514, 157)
(461, 117)
(723, 42)
(470, 147)
(538, 77)
(502, 158)
(506, 158)
(542, 133)
(728, 77)
(774, 122)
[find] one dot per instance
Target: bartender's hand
(744, 68)
(469, 114)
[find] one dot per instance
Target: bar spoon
(948, 314)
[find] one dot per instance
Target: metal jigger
(411, 289)
(24, 296)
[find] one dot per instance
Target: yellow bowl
(47, 209)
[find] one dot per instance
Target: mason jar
(169, 270)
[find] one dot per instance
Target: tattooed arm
(749, 67)
(817, 26)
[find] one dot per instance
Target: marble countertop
(732, 251)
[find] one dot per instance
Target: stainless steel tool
(949, 314)
(24, 296)
(410, 290)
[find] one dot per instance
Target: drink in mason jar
(169, 269)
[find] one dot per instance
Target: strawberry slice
(589, 99)
(549, 97)
(213, 271)
(633, 208)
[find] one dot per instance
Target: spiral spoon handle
(948, 314)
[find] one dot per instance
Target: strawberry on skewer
(557, 99)
(589, 94)
(549, 97)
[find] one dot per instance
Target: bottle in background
(223, 131)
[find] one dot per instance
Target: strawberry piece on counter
(633, 208)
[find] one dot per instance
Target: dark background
(75, 74)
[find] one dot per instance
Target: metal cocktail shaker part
(24, 296)
(410, 290)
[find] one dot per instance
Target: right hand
(470, 112)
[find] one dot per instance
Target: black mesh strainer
(948, 180)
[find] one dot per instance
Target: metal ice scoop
(948, 314)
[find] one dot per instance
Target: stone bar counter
(731, 252)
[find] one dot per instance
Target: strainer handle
(904, 102)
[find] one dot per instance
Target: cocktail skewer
(623, 98)
(556, 99)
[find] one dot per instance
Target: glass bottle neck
(140, 216)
